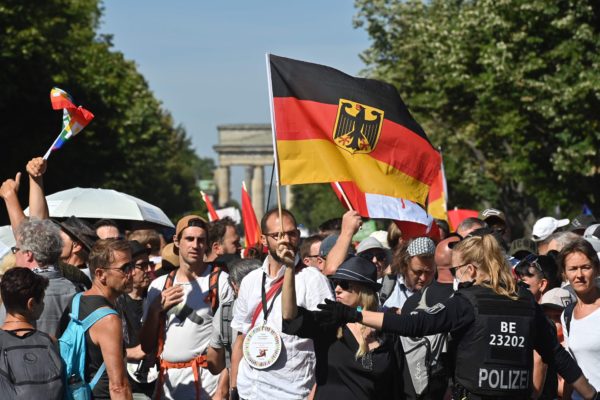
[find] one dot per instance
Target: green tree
(132, 145)
(314, 204)
(509, 89)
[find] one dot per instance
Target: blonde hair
(367, 299)
(485, 253)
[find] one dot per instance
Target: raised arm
(289, 308)
(351, 222)
(9, 192)
(38, 207)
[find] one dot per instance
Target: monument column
(258, 190)
(222, 180)
(249, 175)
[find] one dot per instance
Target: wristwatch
(233, 394)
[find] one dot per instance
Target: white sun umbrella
(7, 240)
(103, 203)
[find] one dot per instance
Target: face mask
(456, 281)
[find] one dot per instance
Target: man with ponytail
(495, 326)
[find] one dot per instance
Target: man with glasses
(38, 248)
(290, 373)
(111, 268)
(141, 367)
(309, 252)
(178, 316)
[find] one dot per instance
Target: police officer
(495, 326)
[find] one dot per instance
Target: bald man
(443, 260)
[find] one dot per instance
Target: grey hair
(471, 222)
(240, 268)
(42, 238)
(563, 238)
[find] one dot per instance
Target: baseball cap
(557, 298)
(358, 269)
(190, 220)
(382, 237)
(492, 213)
(521, 247)
(592, 235)
(546, 226)
(328, 243)
(581, 222)
(421, 246)
(369, 243)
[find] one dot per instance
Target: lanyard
(264, 300)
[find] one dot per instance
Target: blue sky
(205, 60)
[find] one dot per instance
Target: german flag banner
(329, 126)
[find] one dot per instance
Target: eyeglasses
(125, 269)
(293, 234)
(14, 249)
(453, 269)
(144, 265)
(530, 261)
(379, 255)
(344, 285)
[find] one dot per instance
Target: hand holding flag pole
(74, 118)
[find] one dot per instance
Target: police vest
(495, 357)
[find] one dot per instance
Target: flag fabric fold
(411, 218)
(251, 226)
(437, 205)
(329, 126)
(212, 214)
(74, 118)
(456, 216)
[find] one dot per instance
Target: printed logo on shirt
(435, 309)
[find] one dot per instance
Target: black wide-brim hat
(359, 270)
(78, 230)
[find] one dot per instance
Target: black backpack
(30, 366)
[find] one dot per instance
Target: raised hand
(335, 313)
(10, 187)
(36, 167)
(285, 252)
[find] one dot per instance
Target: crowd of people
(91, 311)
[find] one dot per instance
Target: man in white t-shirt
(178, 309)
(291, 376)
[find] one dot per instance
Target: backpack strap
(568, 315)
(213, 285)
(96, 316)
(162, 321)
(75, 306)
(388, 285)
(97, 376)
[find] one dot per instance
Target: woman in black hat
(353, 361)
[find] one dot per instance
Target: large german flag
(330, 127)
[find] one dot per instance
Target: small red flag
(251, 227)
(457, 216)
(212, 214)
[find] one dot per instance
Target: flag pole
(47, 155)
(341, 190)
(274, 130)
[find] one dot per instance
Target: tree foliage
(132, 145)
(510, 89)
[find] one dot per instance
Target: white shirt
(292, 375)
(583, 340)
(189, 328)
(399, 295)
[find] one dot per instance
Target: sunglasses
(125, 268)
(455, 268)
(530, 261)
(144, 265)
(345, 285)
(379, 255)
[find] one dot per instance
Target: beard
(273, 251)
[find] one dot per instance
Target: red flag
(412, 220)
(251, 227)
(438, 196)
(212, 214)
(457, 216)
